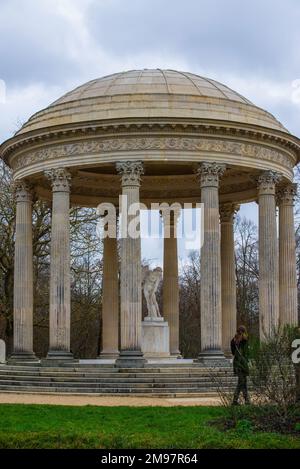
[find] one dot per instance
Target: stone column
(60, 307)
(170, 281)
(228, 277)
(23, 275)
(211, 314)
(110, 298)
(268, 254)
(130, 275)
(288, 310)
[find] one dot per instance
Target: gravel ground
(111, 401)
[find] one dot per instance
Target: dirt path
(111, 401)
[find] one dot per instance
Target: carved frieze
(155, 143)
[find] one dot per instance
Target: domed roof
(152, 82)
(154, 93)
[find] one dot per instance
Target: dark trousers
(241, 388)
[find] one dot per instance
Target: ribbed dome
(143, 94)
(152, 82)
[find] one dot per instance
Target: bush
(272, 372)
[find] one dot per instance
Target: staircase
(105, 379)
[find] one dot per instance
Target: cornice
(25, 142)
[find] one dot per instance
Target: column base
(59, 355)
(131, 359)
(176, 354)
(109, 355)
(22, 357)
(212, 358)
(228, 354)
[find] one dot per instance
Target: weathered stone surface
(110, 299)
(2, 351)
(211, 308)
(60, 280)
(171, 283)
(228, 277)
(268, 254)
(23, 274)
(288, 311)
(155, 338)
(131, 292)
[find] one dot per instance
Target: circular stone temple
(155, 136)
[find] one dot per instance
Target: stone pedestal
(155, 338)
(2, 351)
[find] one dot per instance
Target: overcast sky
(48, 47)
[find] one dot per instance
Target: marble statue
(150, 282)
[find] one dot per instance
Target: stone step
(112, 369)
(111, 375)
(134, 385)
(117, 379)
(102, 394)
(106, 390)
(100, 380)
(43, 371)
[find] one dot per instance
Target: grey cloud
(256, 37)
(32, 44)
(252, 40)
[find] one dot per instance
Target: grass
(45, 426)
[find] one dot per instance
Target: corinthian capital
(286, 195)
(228, 211)
(130, 172)
(267, 182)
(209, 173)
(22, 191)
(60, 179)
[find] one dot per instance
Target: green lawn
(42, 426)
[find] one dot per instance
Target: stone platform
(160, 378)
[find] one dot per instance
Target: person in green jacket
(239, 350)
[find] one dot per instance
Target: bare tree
(246, 256)
(190, 306)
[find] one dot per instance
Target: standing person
(239, 350)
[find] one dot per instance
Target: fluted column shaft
(23, 275)
(211, 316)
(228, 277)
(110, 298)
(130, 275)
(170, 282)
(60, 283)
(288, 310)
(268, 255)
